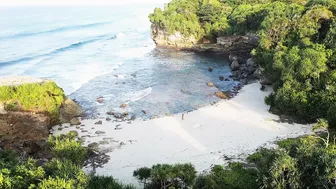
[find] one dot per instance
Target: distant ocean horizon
(107, 52)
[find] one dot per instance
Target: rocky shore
(237, 47)
(26, 130)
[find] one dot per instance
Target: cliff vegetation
(44, 97)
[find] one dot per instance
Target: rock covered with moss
(29, 107)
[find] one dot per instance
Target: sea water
(107, 52)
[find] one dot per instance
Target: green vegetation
(40, 98)
(204, 18)
(297, 46)
(105, 182)
(63, 171)
(166, 176)
(67, 148)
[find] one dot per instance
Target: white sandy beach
(232, 128)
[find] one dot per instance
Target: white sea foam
(135, 52)
(83, 75)
(121, 76)
(136, 95)
(121, 34)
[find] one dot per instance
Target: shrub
(165, 175)
(56, 183)
(68, 148)
(105, 182)
(235, 176)
(15, 174)
(67, 170)
(35, 97)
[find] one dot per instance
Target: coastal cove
(212, 135)
(192, 94)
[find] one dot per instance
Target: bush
(165, 175)
(40, 98)
(56, 183)
(104, 182)
(68, 148)
(235, 176)
(16, 174)
(67, 170)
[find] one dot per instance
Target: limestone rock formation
(238, 44)
(176, 40)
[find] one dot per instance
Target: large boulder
(250, 62)
(266, 81)
(257, 73)
(69, 110)
(235, 65)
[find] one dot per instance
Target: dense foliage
(167, 176)
(297, 46)
(64, 171)
(199, 18)
(34, 97)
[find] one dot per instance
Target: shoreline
(210, 135)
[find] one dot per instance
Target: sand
(18, 80)
(207, 136)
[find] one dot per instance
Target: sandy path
(231, 128)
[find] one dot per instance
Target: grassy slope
(44, 97)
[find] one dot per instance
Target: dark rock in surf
(100, 122)
(100, 132)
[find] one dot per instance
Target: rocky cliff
(25, 129)
(234, 44)
(176, 40)
(244, 69)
